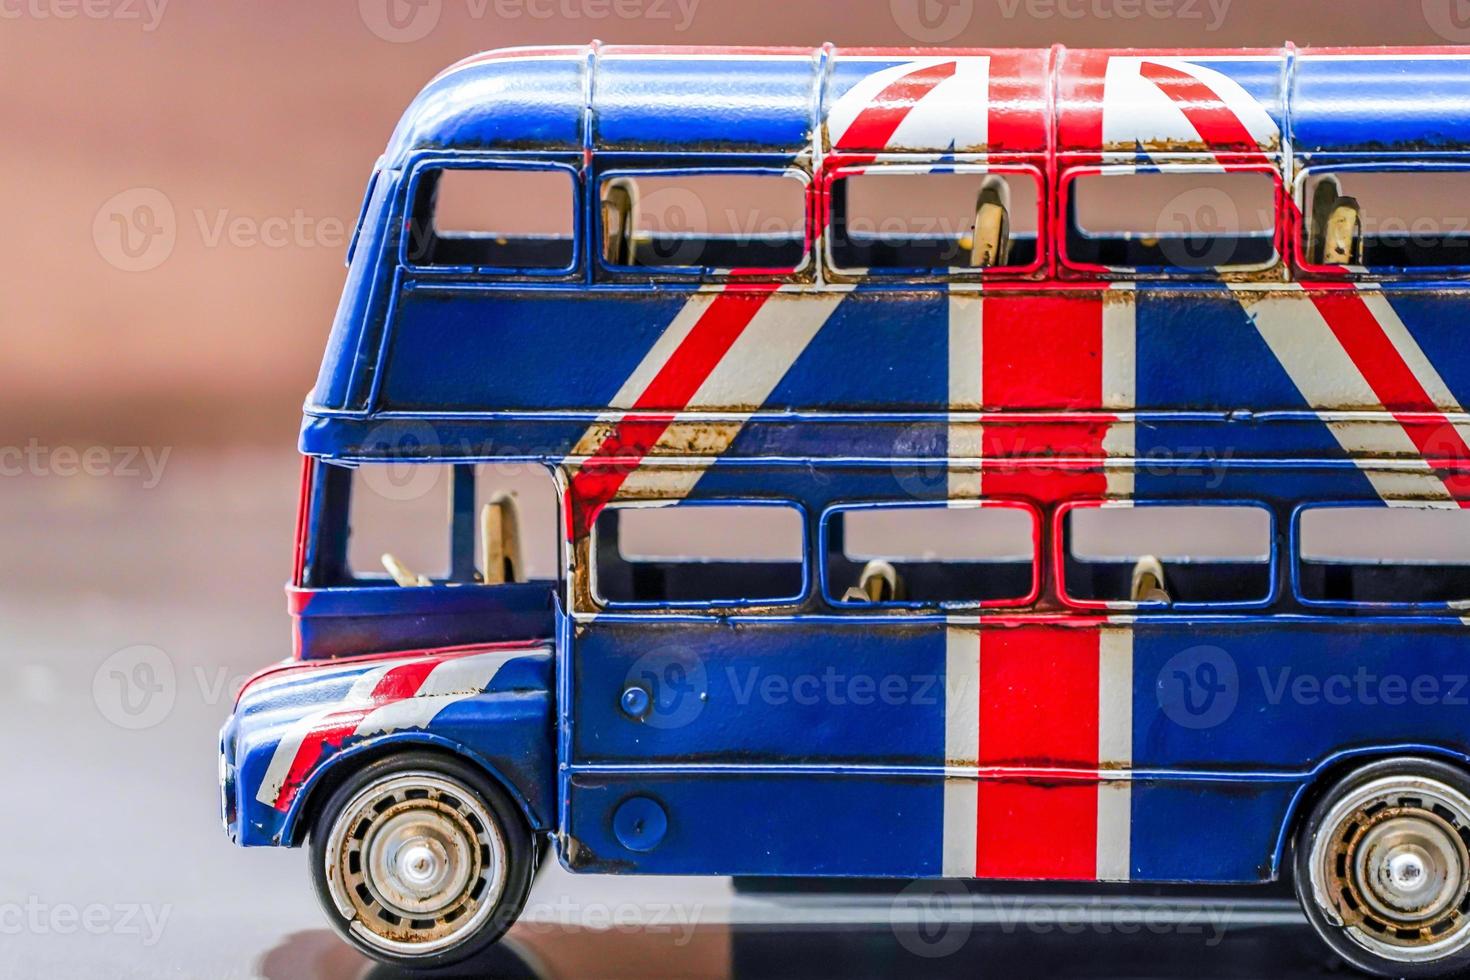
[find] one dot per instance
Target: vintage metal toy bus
(1028, 464)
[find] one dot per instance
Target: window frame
(600, 602)
(1060, 551)
(420, 171)
(1456, 607)
(1306, 270)
(1270, 271)
(1032, 596)
(839, 168)
(606, 272)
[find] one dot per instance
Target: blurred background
(181, 177)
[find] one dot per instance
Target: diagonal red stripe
(396, 684)
(1217, 124)
(1393, 381)
(876, 124)
(598, 479)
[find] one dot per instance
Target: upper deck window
(1166, 220)
(705, 222)
(897, 219)
(1376, 555)
(697, 554)
(494, 218)
(1386, 219)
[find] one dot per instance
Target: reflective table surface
(132, 614)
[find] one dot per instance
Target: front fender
(298, 726)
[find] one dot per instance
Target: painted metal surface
(1037, 741)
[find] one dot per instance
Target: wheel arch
(339, 768)
(1331, 771)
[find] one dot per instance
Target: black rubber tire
(519, 846)
(1333, 934)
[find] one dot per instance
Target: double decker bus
(1000, 464)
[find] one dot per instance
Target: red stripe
(397, 684)
(1015, 100)
(1043, 352)
(598, 479)
(1393, 381)
(880, 119)
(1038, 710)
(1217, 124)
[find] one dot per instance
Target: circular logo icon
(1196, 229)
(401, 21)
(398, 478)
(1450, 19)
(920, 468)
(135, 230)
(677, 686)
(931, 918)
(672, 221)
(1199, 687)
(135, 688)
(932, 21)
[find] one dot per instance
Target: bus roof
(788, 101)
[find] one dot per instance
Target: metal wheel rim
(416, 863)
(1390, 864)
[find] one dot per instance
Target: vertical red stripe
(1038, 710)
(1043, 352)
(598, 479)
(1015, 100)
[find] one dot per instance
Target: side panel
(1158, 750)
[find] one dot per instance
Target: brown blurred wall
(255, 124)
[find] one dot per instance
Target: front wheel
(1382, 868)
(420, 861)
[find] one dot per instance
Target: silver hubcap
(1392, 867)
(416, 863)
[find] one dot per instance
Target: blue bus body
(1048, 738)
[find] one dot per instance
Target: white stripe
(1114, 754)
(740, 383)
(953, 113)
(1327, 378)
(966, 394)
(290, 744)
(1414, 357)
(852, 103)
(449, 683)
(1120, 382)
(961, 748)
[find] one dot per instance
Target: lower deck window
(1168, 555)
(931, 555)
(695, 554)
(1384, 555)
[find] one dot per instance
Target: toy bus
(993, 464)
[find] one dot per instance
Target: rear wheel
(1383, 868)
(421, 861)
